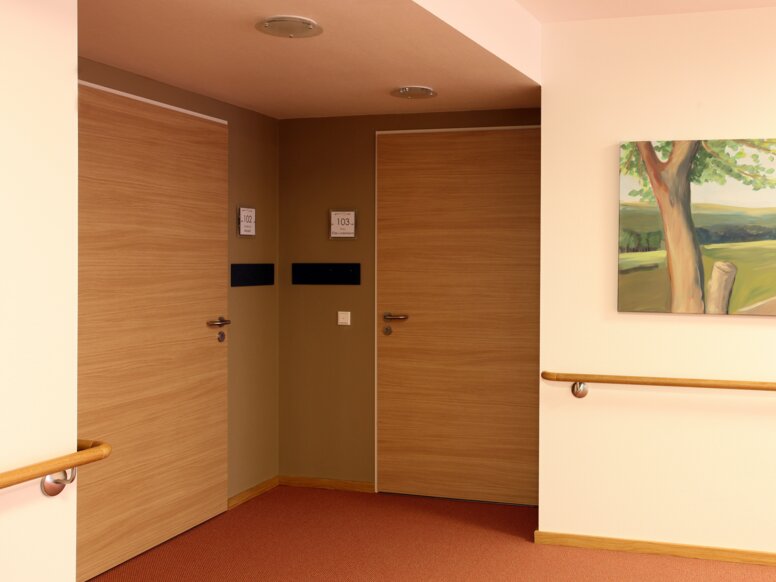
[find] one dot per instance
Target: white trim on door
(451, 129)
(152, 102)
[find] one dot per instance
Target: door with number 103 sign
(458, 313)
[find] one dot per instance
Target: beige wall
(38, 295)
(253, 346)
(327, 371)
(668, 464)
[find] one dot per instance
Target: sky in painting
(731, 194)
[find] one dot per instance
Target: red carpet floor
(311, 534)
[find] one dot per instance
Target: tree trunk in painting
(670, 181)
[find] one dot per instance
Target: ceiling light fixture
(289, 26)
(414, 92)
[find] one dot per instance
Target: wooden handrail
(88, 452)
(653, 381)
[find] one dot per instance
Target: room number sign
(247, 221)
(342, 224)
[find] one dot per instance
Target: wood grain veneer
(458, 250)
(659, 381)
(151, 374)
(667, 549)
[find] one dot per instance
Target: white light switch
(343, 318)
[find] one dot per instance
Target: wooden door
(458, 251)
(151, 374)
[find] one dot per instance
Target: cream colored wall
(503, 27)
(38, 295)
(668, 464)
(253, 335)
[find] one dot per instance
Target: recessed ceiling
(562, 10)
(368, 49)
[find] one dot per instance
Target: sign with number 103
(342, 224)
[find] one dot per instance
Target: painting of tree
(665, 230)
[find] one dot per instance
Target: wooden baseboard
(666, 549)
(336, 484)
(360, 486)
(252, 492)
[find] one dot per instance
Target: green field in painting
(644, 284)
(643, 279)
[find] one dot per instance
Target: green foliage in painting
(747, 161)
(632, 241)
(714, 224)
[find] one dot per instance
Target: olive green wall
(253, 345)
(327, 419)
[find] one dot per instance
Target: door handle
(220, 322)
(398, 317)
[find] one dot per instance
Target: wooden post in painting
(723, 275)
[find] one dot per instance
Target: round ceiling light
(414, 92)
(290, 26)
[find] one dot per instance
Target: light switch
(343, 318)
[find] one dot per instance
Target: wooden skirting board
(312, 482)
(360, 486)
(661, 548)
(254, 491)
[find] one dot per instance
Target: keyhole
(387, 330)
(221, 336)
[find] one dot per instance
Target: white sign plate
(247, 222)
(343, 224)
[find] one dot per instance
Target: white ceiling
(368, 48)
(562, 10)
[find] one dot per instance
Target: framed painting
(698, 227)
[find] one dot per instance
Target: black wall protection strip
(252, 275)
(326, 273)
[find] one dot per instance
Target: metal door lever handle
(392, 317)
(220, 322)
